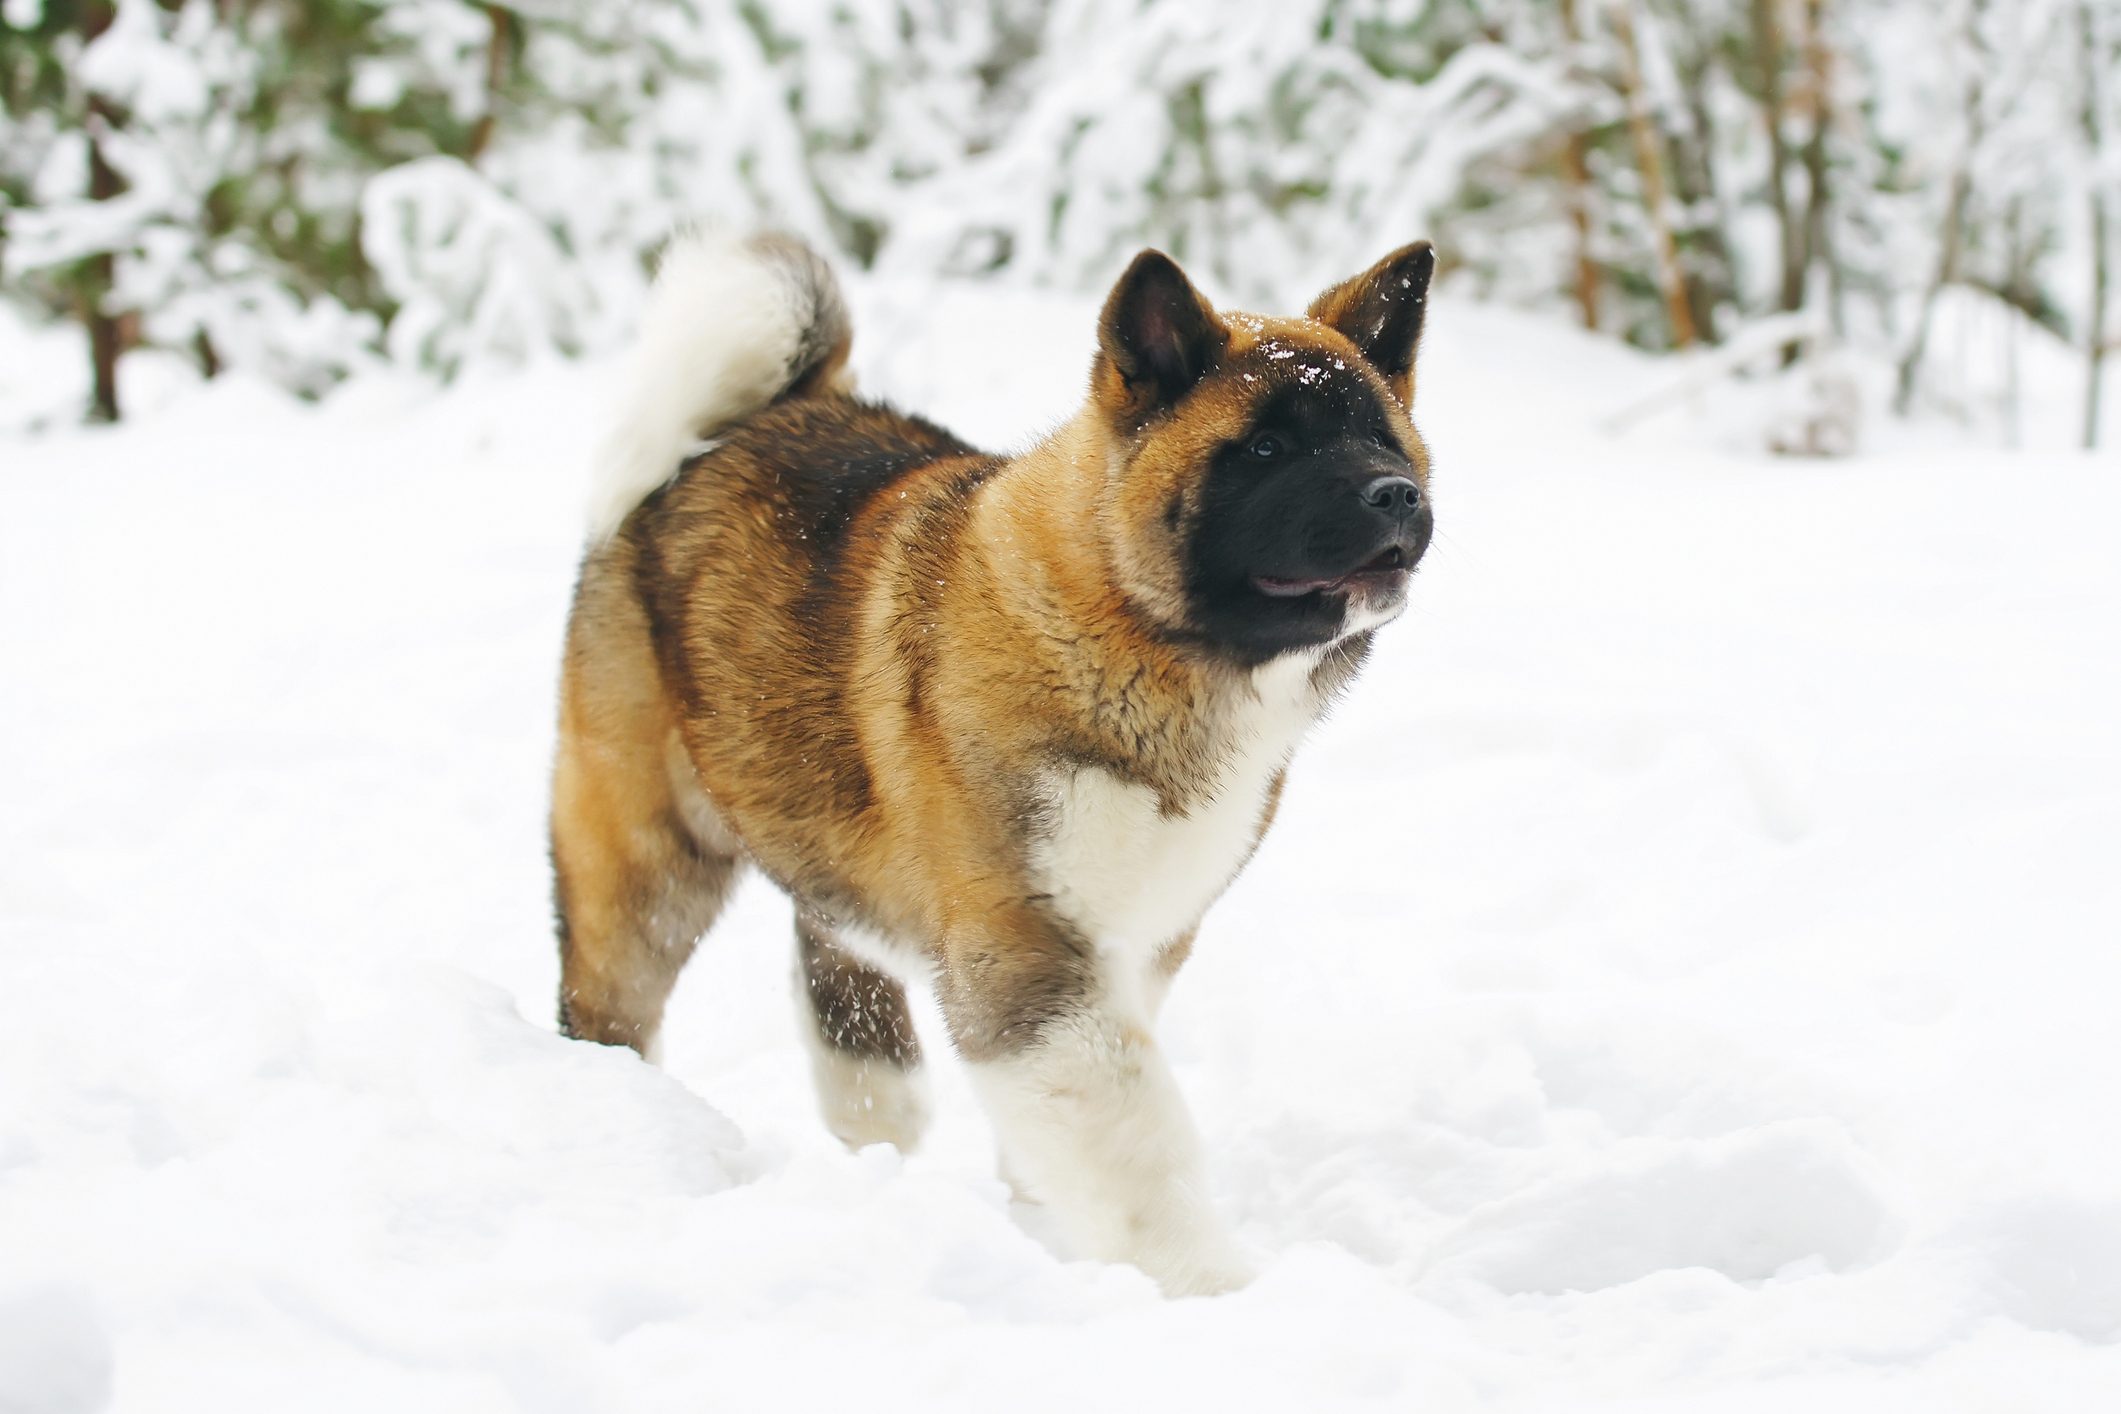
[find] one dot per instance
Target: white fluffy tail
(731, 325)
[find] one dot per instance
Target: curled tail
(731, 325)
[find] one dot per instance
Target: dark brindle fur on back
(1009, 723)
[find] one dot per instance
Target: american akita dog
(1009, 724)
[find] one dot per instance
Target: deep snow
(1682, 976)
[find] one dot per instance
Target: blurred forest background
(305, 189)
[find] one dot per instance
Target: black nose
(1397, 496)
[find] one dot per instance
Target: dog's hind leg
(627, 927)
(633, 896)
(641, 863)
(864, 1055)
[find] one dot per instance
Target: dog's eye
(1381, 439)
(1265, 448)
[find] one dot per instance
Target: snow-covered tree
(301, 187)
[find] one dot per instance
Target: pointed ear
(1380, 311)
(1155, 340)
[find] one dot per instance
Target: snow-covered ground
(1683, 975)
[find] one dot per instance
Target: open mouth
(1391, 564)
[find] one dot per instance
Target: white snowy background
(1683, 975)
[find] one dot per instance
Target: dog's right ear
(1155, 340)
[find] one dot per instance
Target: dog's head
(1266, 490)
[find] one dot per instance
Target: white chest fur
(1132, 878)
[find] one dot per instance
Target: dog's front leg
(1089, 1118)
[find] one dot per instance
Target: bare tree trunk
(1767, 42)
(1711, 274)
(2095, 341)
(98, 276)
(500, 37)
(1962, 192)
(1947, 269)
(1647, 156)
(1818, 254)
(1576, 169)
(2098, 344)
(99, 273)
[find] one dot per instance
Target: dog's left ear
(1380, 311)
